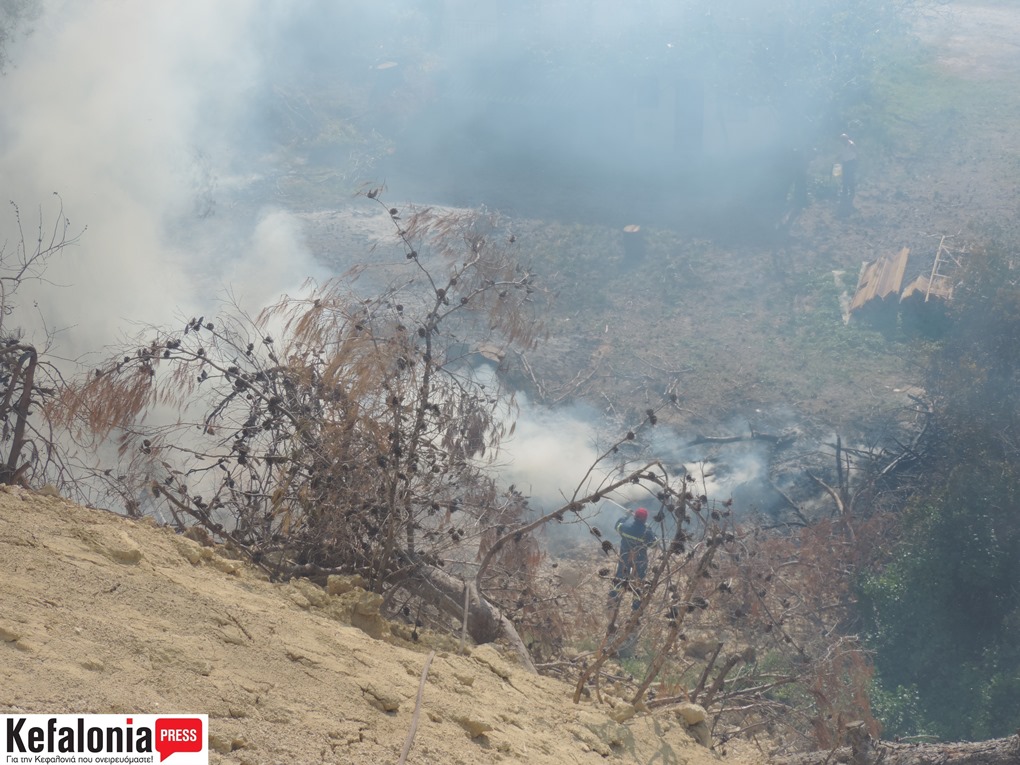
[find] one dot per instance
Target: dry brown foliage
(336, 433)
(764, 636)
(332, 432)
(789, 600)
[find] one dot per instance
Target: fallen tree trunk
(485, 622)
(783, 439)
(864, 750)
(451, 594)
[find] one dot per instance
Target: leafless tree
(28, 381)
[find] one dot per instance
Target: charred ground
(741, 318)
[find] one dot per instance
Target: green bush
(945, 614)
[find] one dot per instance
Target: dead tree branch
(417, 710)
(861, 749)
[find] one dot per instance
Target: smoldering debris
(553, 449)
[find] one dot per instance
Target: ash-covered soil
(747, 326)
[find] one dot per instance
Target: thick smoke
(159, 125)
(134, 114)
(552, 450)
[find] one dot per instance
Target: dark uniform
(635, 539)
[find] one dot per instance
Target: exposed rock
(623, 712)
(366, 617)
(380, 698)
(226, 565)
(701, 732)
(225, 744)
(692, 714)
(474, 725)
(114, 544)
(9, 634)
(308, 595)
(465, 678)
(487, 656)
(191, 551)
(338, 585)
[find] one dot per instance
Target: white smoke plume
(131, 112)
(143, 115)
(553, 448)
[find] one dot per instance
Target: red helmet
(641, 514)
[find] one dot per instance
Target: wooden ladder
(941, 280)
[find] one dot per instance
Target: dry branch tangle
(866, 751)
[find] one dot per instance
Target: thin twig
(708, 670)
(463, 631)
(417, 710)
(729, 664)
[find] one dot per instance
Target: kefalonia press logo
(104, 739)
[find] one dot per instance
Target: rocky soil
(99, 613)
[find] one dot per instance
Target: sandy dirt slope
(99, 613)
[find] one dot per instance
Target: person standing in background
(635, 540)
(848, 161)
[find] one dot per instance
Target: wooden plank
(880, 279)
